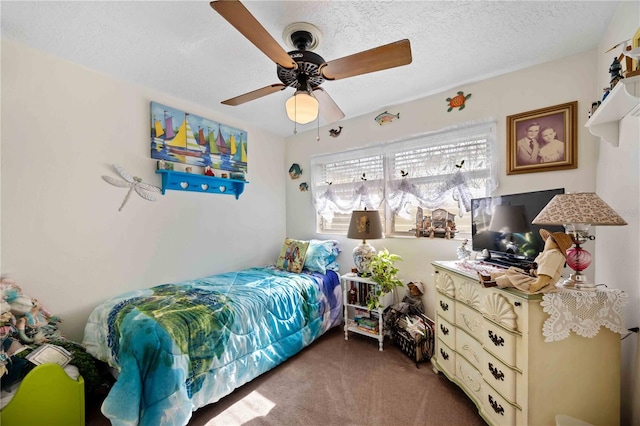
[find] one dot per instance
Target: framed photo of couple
(543, 140)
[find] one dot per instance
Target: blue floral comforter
(181, 346)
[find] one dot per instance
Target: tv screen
(502, 224)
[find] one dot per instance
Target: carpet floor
(338, 382)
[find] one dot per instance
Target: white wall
(618, 183)
(63, 239)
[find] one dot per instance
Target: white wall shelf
(180, 181)
(624, 99)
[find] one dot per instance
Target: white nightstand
(370, 323)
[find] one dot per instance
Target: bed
(180, 346)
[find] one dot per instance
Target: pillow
(292, 255)
(320, 254)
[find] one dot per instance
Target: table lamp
(577, 212)
(365, 224)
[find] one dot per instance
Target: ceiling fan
(303, 69)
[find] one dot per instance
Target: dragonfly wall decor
(133, 183)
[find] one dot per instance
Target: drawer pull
(497, 374)
(444, 306)
(445, 355)
(517, 303)
(444, 329)
(497, 340)
(496, 407)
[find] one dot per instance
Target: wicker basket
(418, 348)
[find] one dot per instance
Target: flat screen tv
(501, 225)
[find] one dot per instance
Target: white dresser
(490, 343)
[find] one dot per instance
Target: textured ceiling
(187, 50)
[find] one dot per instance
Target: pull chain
(295, 114)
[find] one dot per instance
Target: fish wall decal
(385, 117)
(295, 171)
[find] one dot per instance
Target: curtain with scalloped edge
(452, 164)
(426, 170)
(347, 181)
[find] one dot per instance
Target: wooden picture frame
(543, 139)
(635, 64)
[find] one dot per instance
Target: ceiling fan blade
(328, 108)
(238, 16)
(379, 58)
(254, 94)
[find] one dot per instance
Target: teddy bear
(542, 279)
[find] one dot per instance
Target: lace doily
(583, 312)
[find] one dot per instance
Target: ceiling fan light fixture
(302, 108)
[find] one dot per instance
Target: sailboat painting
(182, 137)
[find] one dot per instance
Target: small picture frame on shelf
(543, 140)
(165, 165)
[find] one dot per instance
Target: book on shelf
(367, 330)
(367, 322)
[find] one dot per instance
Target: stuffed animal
(32, 322)
(23, 321)
(541, 280)
(414, 298)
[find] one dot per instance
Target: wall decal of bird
(133, 183)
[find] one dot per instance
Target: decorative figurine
(352, 296)
(463, 252)
(605, 93)
(303, 187)
(188, 169)
(237, 175)
(458, 101)
(295, 171)
(208, 171)
(614, 70)
(385, 117)
(335, 133)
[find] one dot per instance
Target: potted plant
(384, 273)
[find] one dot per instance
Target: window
(439, 170)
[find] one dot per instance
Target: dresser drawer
(445, 307)
(446, 358)
(500, 342)
(498, 409)
(446, 332)
(469, 348)
(470, 377)
(469, 320)
(501, 377)
(505, 309)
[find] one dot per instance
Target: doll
(549, 267)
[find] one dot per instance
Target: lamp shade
(365, 225)
(302, 107)
(509, 219)
(578, 208)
